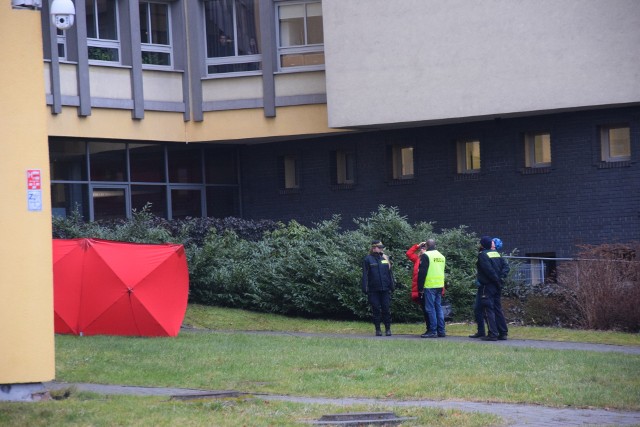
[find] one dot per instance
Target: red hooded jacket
(414, 256)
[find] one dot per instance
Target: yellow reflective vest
(435, 274)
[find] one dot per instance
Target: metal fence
(533, 270)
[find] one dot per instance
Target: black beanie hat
(485, 242)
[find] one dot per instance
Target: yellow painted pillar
(27, 353)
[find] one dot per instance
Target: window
(402, 162)
(615, 143)
(289, 171)
(343, 167)
(300, 35)
(61, 39)
(108, 161)
(232, 36)
(155, 34)
(468, 157)
(537, 150)
(102, 30)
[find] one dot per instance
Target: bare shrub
(602, 286)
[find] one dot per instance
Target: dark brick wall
(576, 201)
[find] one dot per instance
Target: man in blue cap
(489, 281)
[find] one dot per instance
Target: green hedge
(293, 269)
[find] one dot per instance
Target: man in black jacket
(377, 284)
(490, 267)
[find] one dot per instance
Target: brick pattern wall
(575, 201)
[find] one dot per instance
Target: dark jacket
(490, 268)
(377, 274)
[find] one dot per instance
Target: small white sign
(34, 200)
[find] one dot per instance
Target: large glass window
(68, 198)
(186, 202)
(68, 160)
(300, 35)
(615, 143)
(102, 30)
(147, 162)
(109, 203)
(185, 165)
(468, 156)
(154, 197)
(155, 34)
(232, 36)
(537, 150)
(107, 179)
(108, 161)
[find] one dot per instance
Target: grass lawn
(324, 367)
(88, 409)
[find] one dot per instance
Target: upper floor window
(155, 34)
(300, 35)
(468, 156)
(615, 143)
(61, 39)
(102, 30)
(289, 171)
(402, 162)
(232, 30)
(343, 167)
(537, 150)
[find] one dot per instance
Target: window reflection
(109, 203)
(186, 203)
(185, 165)
(147, 163)
(152, 196)
(108, 161)
(67, 198)
(68, 160)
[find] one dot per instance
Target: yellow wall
(226, 125)
(26, 283)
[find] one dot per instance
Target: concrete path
(516, 415)
(551, 345)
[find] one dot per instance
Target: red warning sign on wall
(34, 181)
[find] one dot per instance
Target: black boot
(378, 332)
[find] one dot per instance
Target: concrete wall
(578, 200)
(433, 60)
(26, 281)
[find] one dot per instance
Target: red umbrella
(67, 274)
(132, 289)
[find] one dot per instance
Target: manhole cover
(361, 419)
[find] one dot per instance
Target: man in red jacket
(413, 254)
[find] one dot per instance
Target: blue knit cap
(498, 243)
(485, 242)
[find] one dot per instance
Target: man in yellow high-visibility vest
(430, 283)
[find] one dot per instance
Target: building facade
(516, 119)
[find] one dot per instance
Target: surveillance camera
(62, 22)
(62, 14)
